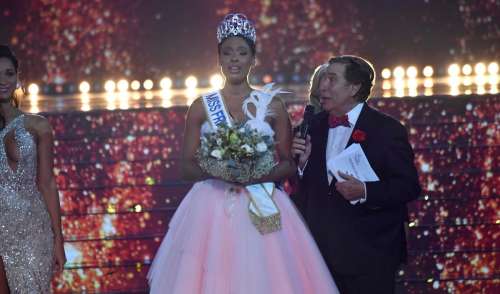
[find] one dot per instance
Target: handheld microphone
(304, 126)
(306, 121)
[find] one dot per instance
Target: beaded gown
(26, 237)
(212, 247)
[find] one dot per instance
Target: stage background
(118, 173)
(117, 169)
(69, 41)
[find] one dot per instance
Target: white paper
(352, 161)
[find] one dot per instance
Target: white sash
(215, 108)
(264, 213)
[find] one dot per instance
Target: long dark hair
(6, 52)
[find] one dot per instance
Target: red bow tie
(335, 121)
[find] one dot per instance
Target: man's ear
(355, 89)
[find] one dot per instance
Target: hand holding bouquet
(236, 153)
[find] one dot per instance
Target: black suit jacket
(355, 238)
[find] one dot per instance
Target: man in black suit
(359, 226)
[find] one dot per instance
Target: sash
(216, 110)
(264, 213)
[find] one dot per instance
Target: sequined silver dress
(26, 238)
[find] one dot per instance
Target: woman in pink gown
(212, 246)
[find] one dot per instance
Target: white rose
(216, 153)
(261, 147)
(247, 148)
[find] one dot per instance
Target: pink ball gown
(212, 247)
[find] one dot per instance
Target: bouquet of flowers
(236, 153)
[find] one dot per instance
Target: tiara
(236, 25)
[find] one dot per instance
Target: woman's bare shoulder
(37, 123)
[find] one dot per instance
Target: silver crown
(236, 25)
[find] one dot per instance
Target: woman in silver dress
(31, 241)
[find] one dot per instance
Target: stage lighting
(428, 71)
(148, 84)
(135, 85)
(386, 73)
(480, 80)
(412, 92)
(137, 208)
(399, 84)
(216, 81)
(166, 83)
(166, 98)
(122, 85)
(454, 70)
(411, 72)
(412, 83)
(110, 86)
(400, 92)
(85, 107)
(148, 95)
(34, 108)
(494, 89)
(454, 91)
(136, 96)
(467, 69)
(493, 68)
(33, 89)
(480, 69)
(191, 82)
(84, 87)
(399, 72)
(454, 81)
(428, 83)
(481, 90)
(85, 99)
(191, 94)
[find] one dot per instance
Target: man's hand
(302, 148)
(351, 189)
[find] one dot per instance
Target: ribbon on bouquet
(263, 211)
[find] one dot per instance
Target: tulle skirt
(212, 247)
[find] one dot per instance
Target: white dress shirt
(339, 136)
(337, 141)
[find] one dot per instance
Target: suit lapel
(324, 128)
(322, 144)
(361, 124)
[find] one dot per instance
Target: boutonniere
(358, 136)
